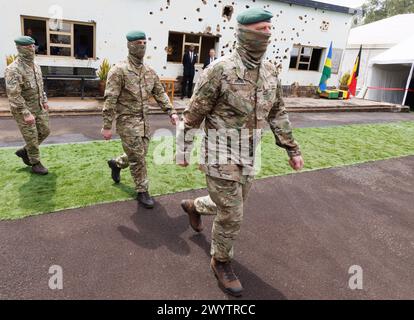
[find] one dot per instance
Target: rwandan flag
(326, 73)
(352, 82)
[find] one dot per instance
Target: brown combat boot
(193, 215)
(22, 153)
(38, 168)
(226, 277)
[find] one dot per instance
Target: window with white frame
(61, 37)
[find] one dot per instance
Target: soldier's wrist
(172, 112)
(294, 153)
(26, 114)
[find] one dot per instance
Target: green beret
(254, 15)
(135, 35)
(24, 41)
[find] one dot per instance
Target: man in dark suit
(210, 59)
(189, 60)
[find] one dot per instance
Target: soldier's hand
(183, 164)
(46, 106)
(175, 119)
(106, 133)
(296, 163)
(181, 161)
(30, 119)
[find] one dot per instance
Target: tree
(375, 10)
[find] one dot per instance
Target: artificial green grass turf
(79, 175)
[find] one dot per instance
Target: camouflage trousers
(33, 134)
(135, 147)
(225, 201)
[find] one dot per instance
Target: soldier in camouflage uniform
(129, 87)
(28, 102)
(236, 93)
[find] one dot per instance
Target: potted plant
(343, 84)
(103, 75)
(10, 59)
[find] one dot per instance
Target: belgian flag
(352, 82)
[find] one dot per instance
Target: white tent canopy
(383, 33)
(391, 73)
(401, 53)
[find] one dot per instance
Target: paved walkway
(68, 105)
(300, 236)
(86, 128)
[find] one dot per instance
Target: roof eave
(323, 6)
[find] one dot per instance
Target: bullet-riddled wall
(293, 24)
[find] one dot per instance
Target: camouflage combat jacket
(24, 86)
(128, 92)
(225, 97)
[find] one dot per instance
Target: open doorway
(387, 82)
(409, 101)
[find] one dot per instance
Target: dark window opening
(179, 43)
(305, 58)
(175, 47)
(207, 44)
(83, 41)
(37, 30)
(316, 59)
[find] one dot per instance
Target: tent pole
(408, 83)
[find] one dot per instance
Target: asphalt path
(300, 236)
(86, 128)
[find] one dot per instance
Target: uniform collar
(241, 69)
(134, 69)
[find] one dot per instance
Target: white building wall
(296, 24)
